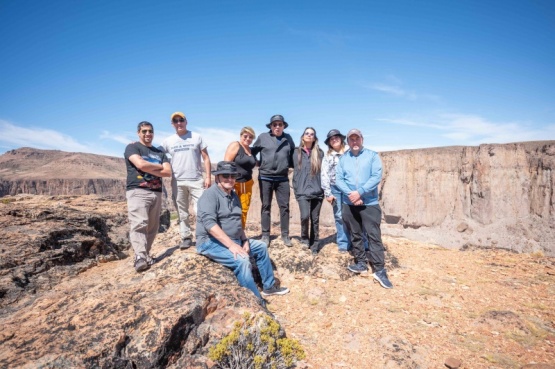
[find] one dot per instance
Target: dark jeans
(370, 217)
(282, 190)
(310, 213)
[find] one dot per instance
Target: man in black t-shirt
(145, 166)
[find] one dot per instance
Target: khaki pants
(143, 207)
(186, 189)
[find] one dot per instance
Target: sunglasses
(277, 125)
(180, 120)
(309, 134)
(228, 175)
(145, 131)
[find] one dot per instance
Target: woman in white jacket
(336, 148)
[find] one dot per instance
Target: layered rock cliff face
(54, 172)
(490, 195)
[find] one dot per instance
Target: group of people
(346, 177)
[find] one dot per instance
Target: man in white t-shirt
(186, 149)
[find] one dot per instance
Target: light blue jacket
(361, 173)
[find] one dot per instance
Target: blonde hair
(315, 161)
(249, 130)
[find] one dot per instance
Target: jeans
(143, 208)
(343, 237)
(370, 217)
(241, 266)
(184, 190)
(282, 190)
(310, 219)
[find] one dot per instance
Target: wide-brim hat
(334, 132)
(225, 167)
(276, 118)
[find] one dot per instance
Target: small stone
(453, 363)
(538, 366)
(462, 227)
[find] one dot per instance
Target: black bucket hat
(225, 167)
(333, 132)
(275, 118)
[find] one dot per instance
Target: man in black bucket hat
(220, 235)
(276, 157)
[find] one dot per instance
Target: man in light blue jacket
(359, 173)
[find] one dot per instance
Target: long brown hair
(315, 161)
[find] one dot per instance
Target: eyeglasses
(228, 175)
(180, 120)
(277, 124)
(309, 134)
(145, 131)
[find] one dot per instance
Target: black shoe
(315, 247)
(359, 268)
(141, 265)
(185, 244)
(305, 242)
(274, 290)
(381, 276)
(266, 239)
(286, 241)
(150, 260)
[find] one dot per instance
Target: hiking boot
(381, 276)
(305, 242)
(359, 268)
(265, 239)
(286, 241)
(141, 265)
(185, 244)
(275, 290)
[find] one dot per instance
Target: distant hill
(54, 172)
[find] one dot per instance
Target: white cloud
(217, 141)
(395, 88)
(123, 139)
(40, 138)
(467, 129)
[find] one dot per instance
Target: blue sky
(79, 75)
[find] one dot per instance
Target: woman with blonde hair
(307, 162)
(240, 153)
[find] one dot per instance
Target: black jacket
(276, 157)
(306, 185)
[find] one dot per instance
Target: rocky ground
(484, 308)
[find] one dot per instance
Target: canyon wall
(490, 195)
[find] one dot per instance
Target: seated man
(220, 235)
